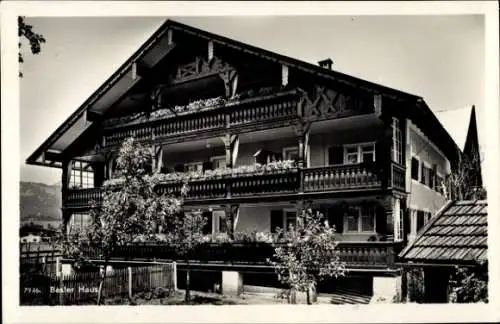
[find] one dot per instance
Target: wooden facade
(187, 89)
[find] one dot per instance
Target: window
(218, 162)
(420, 220)
(291, 153)
(360, 220)
(426, 175)
(368, 153)
(397, 141)
(193, 167)
(290, 218)
(80, 221)
(398, 221)
(431, 178)
(414, 168)
(82, 176)
(354, 154)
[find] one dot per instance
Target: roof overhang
(51, 152)
(146, 57)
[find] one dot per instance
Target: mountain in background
(40, 202)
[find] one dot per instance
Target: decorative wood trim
(325, 103)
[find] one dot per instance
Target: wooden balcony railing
(81, 198)
(354, 254)
(245, 112)
(339, 177)
(335, 178)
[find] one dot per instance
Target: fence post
(61, 286)
(174, 275)
(129, 282)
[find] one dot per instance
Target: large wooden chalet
(371, 158)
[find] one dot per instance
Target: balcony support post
(66, 217)
(158, 158)
(231, 144)
(301, 130)
(108, 165)
(383, 150)
(388, 205)
(230, 78)
(66, 176)
(232, 212)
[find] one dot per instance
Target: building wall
(318, 145)
(258, 219)
(421, 196)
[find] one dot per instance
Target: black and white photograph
(287, 160)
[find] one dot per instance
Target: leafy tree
(305, 254)
(186, 233)
(35, 40)
(469, 285)
(129, 213)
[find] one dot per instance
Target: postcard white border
(222, 314)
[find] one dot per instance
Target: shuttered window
(414, 168)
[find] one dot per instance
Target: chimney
(327, 64)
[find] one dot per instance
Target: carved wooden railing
(272, 110)
(80, 198)
(198, 189)
(354, 254)
(249, 111)
(261, 184)
(339, 177)
(398, 176)
(317, 179)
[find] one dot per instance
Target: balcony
(266, 108)
(252, 113)
(241, 183)
(356, 255)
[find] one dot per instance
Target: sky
(440, 58)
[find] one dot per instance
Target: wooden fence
(82, 287)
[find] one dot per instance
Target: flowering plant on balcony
(195, 106)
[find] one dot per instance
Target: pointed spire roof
(471, 146)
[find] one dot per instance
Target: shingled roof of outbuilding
(458, 233)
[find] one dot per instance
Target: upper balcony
(280, 180)
(249, 111)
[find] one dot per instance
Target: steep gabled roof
(456, 234)
(154, 49)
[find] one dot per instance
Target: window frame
(285, 211)
(186, 165)
(359, 217)
(418, 168)
(289, 149)
(73, 223)
(398, 221)
(359, 151)
(397, 141)
(216, 158)
(80, 178)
